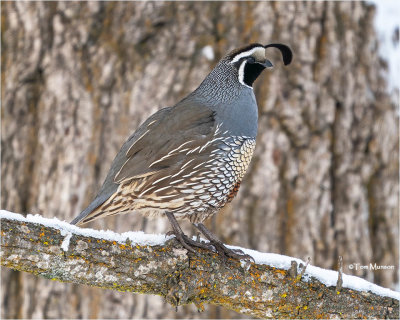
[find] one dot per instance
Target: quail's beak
(267, 64)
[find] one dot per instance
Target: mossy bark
(181, 278)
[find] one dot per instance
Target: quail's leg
(186, 242)
(221, 249)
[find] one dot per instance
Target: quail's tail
(97, 202)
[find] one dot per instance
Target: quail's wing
(155, 146)
(109, 186)
(164, 140)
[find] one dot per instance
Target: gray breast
(240, 117)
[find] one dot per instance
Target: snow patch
(386, 22)
(208, 52)
(327, 277)
(65, 243)
(136, 238)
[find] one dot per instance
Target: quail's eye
(251, 59)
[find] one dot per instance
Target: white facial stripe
(241, 74)
(248, 53)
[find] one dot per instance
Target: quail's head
(251, 60)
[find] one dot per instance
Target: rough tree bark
(181, 278)
(79, 77)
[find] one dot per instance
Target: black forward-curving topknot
(285, 51)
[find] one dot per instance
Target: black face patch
(251, 72)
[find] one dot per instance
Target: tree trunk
(79, 77)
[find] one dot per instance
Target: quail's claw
(237, 254)
(222, 250)
(190, 244)
(245, 256)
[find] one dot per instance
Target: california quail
(187, 161)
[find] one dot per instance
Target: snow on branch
(274, 286)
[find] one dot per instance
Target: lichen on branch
(180, 277)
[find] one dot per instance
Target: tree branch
(61, 253)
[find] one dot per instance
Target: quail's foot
(186, 242)
(222, 250)
(225, 252)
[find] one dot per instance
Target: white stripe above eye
(246, 54)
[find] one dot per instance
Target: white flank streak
(119, 171)
(176, 181)
(130, 148)
(211, 160)
(193, 150)
(177, 174)
(65, 243)
(161, 179)
(246, 54)
(205, 146)
(151, 123)
(148, 189)
(157, 161)
(187, 163)
(199, 165)
(211, 141)
(158, 190)
(190, 174)
(176, 149)
(185, 143)
(167, 196)
(218, 128)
